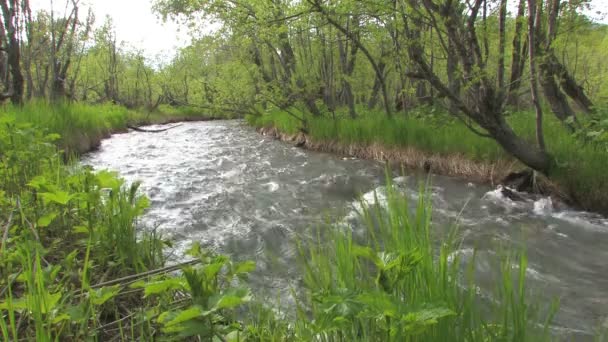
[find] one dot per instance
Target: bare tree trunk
(453, 81)
(4, 67)
(502, 17)
(373, 99)
(540, 139)
(287, 59)
(518, 56)
(10, 15)
(347, 62)
(27, 54)
(61, 67)
(483, 106)
(554, 95)
(570, 86)
(327, 71)
(319, 7)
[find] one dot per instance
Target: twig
(151, 130)
(118, 337)
(145, 274)
(5, 234)
(29, 224)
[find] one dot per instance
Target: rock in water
(522, 181)
(510, 194)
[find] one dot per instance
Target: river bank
(492, 173)
(451, 149)
(456, 165)
(82, 127)
(278, 193)
(96, 243)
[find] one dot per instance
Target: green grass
(64, 230)
(396, 283)
(75, 265)
(82, 126)
(580, 170)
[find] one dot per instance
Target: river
(222, 184)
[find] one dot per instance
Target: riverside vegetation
(528, 76)
(423, 137)
(76, 265)
(467, 82)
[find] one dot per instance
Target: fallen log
(138, 129)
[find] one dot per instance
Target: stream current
(222, 184)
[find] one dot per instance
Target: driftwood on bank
(138, 129)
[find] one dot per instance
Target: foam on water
(219, 184)
(272, 186)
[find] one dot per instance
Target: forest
(484, 90)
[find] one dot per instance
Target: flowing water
(222, 184)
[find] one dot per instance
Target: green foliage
(391, 284)
(75, 266)
(64, 229)
(67, 231)
(79, 126)
(579, 158)
(212, 292)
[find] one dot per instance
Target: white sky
(139, 27)
(134, 22)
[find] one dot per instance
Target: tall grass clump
(389, 281)
(579, 160)
(80, 126)
(75, 265)
(63, 230)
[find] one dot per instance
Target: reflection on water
(222, 184)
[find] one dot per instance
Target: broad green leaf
(163, 286)
(142, 204)
(367, 253)
(46, 220)
(195, 250)
(229, 302)
(214, 268)
(38, 182)
(378, 303)
(61, 317)
(16, 304)
(231, 299)
(59, 197)
(244, 267)
(47, 303)
(233, 336)
(108, 179)
(6, 119)
(191, 328)
(100, 296)
(417, 321)
(140, 284)
(185, 315)
(77, 313)
(80, 229)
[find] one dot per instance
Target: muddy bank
(455, 165)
